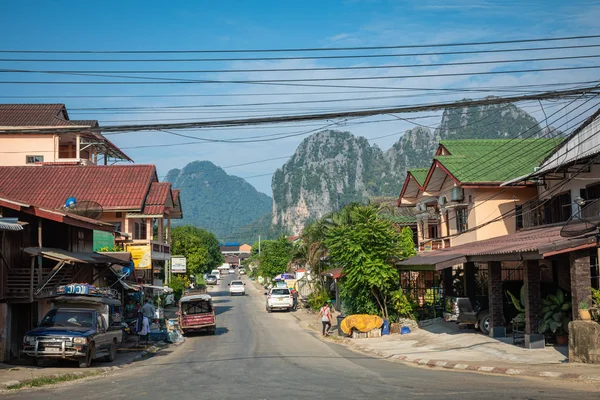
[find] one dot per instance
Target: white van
(224, 269)
(216, 273)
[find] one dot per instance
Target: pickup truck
(79, 328)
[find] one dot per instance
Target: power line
(282, 82)
(321, 93)
(287, 50)
(257, 70)
(327, 57)
(324, 116)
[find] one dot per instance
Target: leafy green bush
(317, 298)
(556, 314)
(178, 284)
(403, 307)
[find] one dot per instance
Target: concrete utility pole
(259, 245)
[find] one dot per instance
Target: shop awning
(163, 288)
(532, 244)
(10, 224)
(69, 257)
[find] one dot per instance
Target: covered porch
(542, 255)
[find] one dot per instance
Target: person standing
(295, 299)
(147, 316)
(325, 313)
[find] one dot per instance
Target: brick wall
(533, 298)
(495, 293)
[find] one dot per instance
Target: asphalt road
(256, 355)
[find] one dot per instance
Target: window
(119, 215)
(139, 232)
(519, 217)
(558, 209)
(433, 232)
(462, 220)
(34, 159)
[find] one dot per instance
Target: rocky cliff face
(332, 168)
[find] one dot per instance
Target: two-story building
(130, 197)
(27, 137)
(461, 190)
(555, 242)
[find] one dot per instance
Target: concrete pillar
(533, 305)
(78, 146)
(580, 279)
(149, 230)
(470, 282)
(447, 281)
(497, 328)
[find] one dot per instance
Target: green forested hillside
(216, 201)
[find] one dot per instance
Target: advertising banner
(178, 265)
(141, 255)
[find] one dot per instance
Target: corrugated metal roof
(539, 241)
(582, 143)
(69, 257)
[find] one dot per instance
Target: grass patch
(49, 380)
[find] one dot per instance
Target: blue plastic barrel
(405, 330)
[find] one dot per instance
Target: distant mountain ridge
(216, 201)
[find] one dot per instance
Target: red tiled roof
(115, 187)
(543, 241)
(156, 200)
(335, 273)
(33, 115)
(158, 193)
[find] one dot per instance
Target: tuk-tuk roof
(88, 299)
(195, 297)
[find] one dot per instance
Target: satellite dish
(84, 208)
(577, 226)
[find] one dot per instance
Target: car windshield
(237, 283)
(68, 318)
(280, 291)
(211, 277)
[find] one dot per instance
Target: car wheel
(36, 362)
(269, 309)
(484, 323)
(112, 353)
(213, 330)
(86, 361)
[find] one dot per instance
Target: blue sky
(186, 25)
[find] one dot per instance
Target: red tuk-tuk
(196, 313)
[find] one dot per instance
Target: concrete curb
(146, 354)
(452, 365)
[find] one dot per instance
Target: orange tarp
(360, 322)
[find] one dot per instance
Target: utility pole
(259, 245)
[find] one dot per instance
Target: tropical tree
(199, 247)
(366, 247)
(274, 256)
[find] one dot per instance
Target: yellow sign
(428, 246)
(141, 256)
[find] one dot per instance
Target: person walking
(295, 299)
(147, 316)
(325, 313)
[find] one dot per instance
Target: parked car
(475, 310)
(216, 273)
(237, 287)
(80, 328)
(231, 270)
(279, 298)
(242, 271)
(211, 280)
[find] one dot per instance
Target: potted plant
(555, 316)
(584, 311)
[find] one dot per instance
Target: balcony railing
(157, 247)
(434, 244)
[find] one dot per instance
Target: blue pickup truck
(80, 328)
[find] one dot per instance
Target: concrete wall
(16, 147)
(584, 342)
